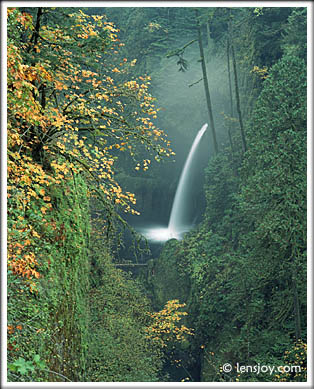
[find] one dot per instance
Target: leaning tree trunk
(205, 79)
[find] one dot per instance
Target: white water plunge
(178, 222)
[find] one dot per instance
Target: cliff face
(81, 319)
(164, 278)
(51, 309)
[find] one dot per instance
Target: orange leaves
(21, 91)
(97, 17)
(61, 169)
(60, 86)
(31, 75)
(18, 71)
(25, 19)
(111, 30)
(110, 27)
(44, 74)
(14, 140)
(56, 105)
(43, 210)
(146, 162)
(131, 85)
(11, 328)
(24, 265)
(58, 121)
(27, 181)
(30, 177)
(88, 73)
(10, 11)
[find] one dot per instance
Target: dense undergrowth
(246, 262)
(82, 319)
(47, 316)
(63, 318)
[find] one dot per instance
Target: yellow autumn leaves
(261, 72)
(165, 328)
(74, 115)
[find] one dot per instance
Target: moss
(54, 314)
(118, 347)
(165, 281)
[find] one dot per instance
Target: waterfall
(179, 217)
(178, 222)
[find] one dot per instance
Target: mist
(181, 97)
(183, 109)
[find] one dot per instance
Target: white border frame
(309, 5)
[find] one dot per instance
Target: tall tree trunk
(205, 79)
(230, 93)
(208, 40)
(237, 93)
(238, 98)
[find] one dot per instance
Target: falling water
(178, 222)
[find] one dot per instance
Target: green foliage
(167, 283)
(247, 260)
(118, 347)
(295, 37)
(162, 279)
(48, 316)
(71, 103)
(22, 367)
(221, 184)
(152, 32)
(72, 315)
(274, 190)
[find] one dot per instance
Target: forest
(156, 194)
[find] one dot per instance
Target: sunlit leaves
(261, 72)
(82, 100)
(165, 327)
(68, 113)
